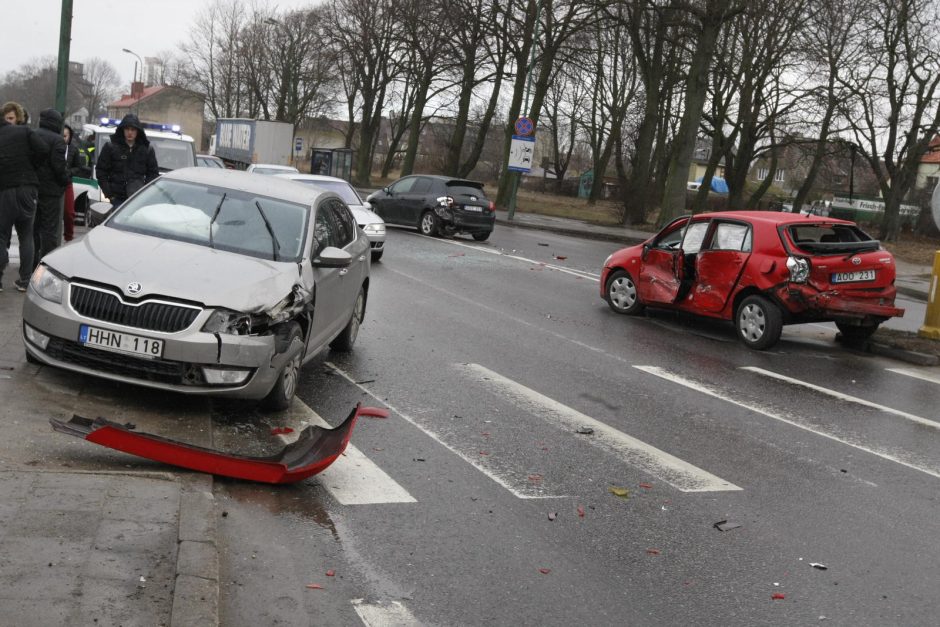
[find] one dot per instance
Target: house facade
(164, 104)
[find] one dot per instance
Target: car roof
(446, 179)
(252, 184)
(274, 166)
(772, 218)
(109, 130)
(296, 176)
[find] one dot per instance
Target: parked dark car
(761, 270)
(436, 205)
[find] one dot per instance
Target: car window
(694, 235)
(403, 186)
(464, 189)
(832, 238)
(730, 236)
(672, 239)
(345, 224)
(172, 154)
(240, 222)
(324, 229)
(422, 185)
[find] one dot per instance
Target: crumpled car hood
(176, 269)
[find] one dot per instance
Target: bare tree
(563, 108)
(104, 81)
(894, 107)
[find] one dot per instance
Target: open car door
(718, 267)
(660, 272)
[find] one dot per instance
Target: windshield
(344, 189)
(832, 239)
(184, 211)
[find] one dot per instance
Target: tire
(759, 322)
(281, 395)
(853, 333)
(482, 237)
(377, 255)
(621, 294)
(429, 224)
(347, 337)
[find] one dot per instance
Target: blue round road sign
(524, 126)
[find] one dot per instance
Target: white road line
(674, 471)
(705, 389)
(353, 479)
(527, 493)
(578, 273)
(392, 615)
(843, 397)
(917, 374)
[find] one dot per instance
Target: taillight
(492, 206)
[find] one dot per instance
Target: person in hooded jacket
(76, 166)
(127, 162)
(21, 153)
(53, 179)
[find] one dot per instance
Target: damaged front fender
(313, 451)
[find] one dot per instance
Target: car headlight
(799, 269)
(47, 283)
(374, 229)
(227, 321)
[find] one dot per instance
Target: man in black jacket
(127, 162)
(53, 179)
(21, 153)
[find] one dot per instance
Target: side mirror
(387, 191)
(97, 213)
(332, 257)
(646, 250)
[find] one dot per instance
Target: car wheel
(853, 333)
(345, 340)
(285, 387)
(377, 255)
(621, 294)
(481, 237)
(428, 224)
(759, 322)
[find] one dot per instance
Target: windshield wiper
(276, 245)
(215, 214)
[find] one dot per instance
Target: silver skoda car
(206, 281)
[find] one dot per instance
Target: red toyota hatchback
(760, 270)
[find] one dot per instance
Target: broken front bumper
(313, 451)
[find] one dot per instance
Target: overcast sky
(100, 28)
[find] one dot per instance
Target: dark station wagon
(760, 270)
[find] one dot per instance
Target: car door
(657, 280)
(328, 282)
(353, 241)
(416, 200)
(719, 265)
(389, 204)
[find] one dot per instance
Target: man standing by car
(21, 152)
(53, 179)
(127, 162)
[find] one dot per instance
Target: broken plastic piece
(819, 566)
(652, 551)
(330, 573)
(314, 586)
(581, 511)
(545, 571)
(646, 486)
(621, 492)
(312, 452)
(585, 431)
(724, 525)
(777, 596)
(552, 515)
(281, 430)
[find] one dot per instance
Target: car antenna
(276, 245)
(215, 214)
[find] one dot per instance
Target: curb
(607, 237)
(196, 590)
(913, 292)
(911, 357)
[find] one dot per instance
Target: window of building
(762, 173)
(780, 176)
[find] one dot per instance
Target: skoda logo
(134, 288)
(856, 261)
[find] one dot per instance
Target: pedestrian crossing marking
(676, 472)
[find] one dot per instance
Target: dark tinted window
(423, 185)
(403, 186)
(324, 231)
(345, 224)
(464, 189)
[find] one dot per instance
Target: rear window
(831, 238)
(465, 189)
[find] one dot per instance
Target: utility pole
(65, 42)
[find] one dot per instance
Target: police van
(173, 149)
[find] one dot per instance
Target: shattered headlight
(48, 283)
(228, 321)
(799, 269)
(374, 229)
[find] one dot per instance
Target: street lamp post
(139, 60)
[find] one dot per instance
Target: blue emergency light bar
(154, 126)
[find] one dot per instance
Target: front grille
(150, 315)
(125, 365)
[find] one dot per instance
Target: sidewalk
(912, 280)
(85, 540)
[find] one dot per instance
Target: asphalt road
(479, 502)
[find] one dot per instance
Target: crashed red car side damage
(313, 451)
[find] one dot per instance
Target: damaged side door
(720, 264)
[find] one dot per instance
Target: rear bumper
(839, 304)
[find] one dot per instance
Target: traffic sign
(524, 126)
(298, 144)
(521, 154)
